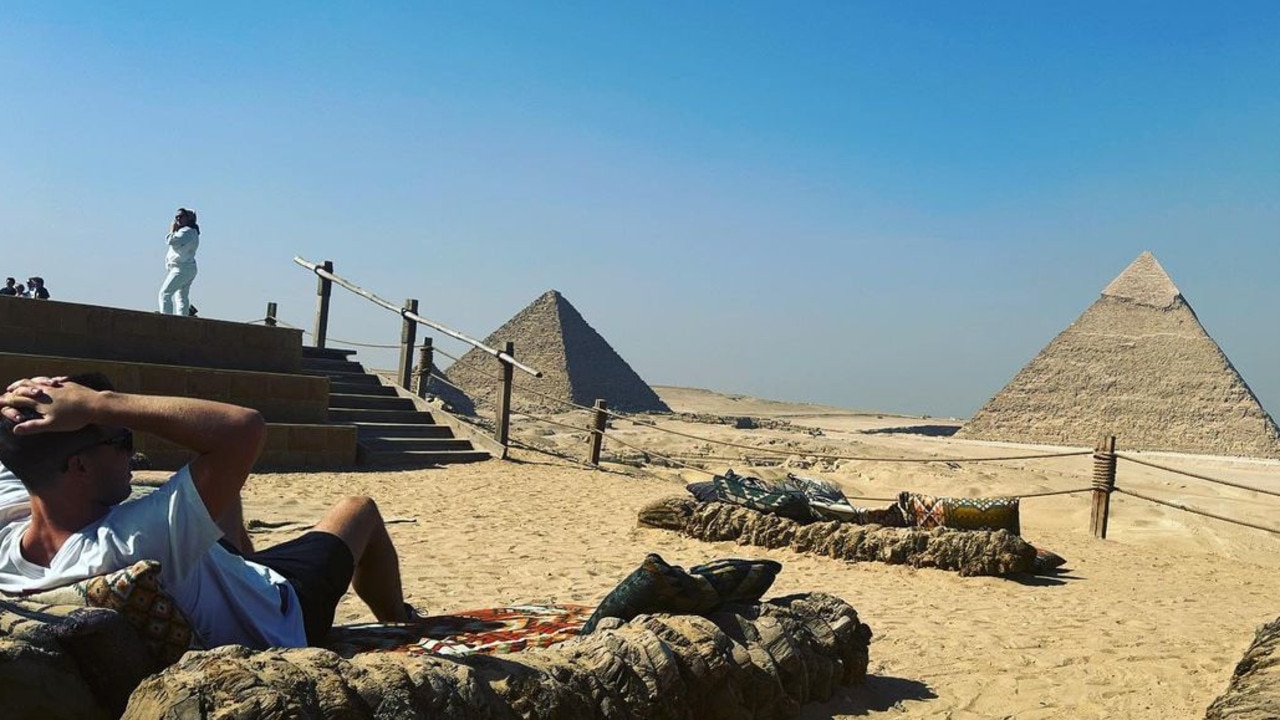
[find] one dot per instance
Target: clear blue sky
(877, 205)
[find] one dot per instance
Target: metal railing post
(324, 288)
(597, 434)
(408, 337)
(503, 430)
(1104, 482)
(271, 315)
(426, 356)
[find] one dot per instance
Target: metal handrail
(408, 315)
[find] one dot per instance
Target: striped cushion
(928, 511)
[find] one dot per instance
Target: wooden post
(408, 338)
(503, 431)
(324, 287)
(426, 356)
(271, 315)
(1104, 482)
(597, 433)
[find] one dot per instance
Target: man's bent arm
(227, 438)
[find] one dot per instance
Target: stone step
(361, 415)
(420, 458)
(355, 375)
(355, 387)
(403, 430)
(368, 402)
(280, 397)
(286, 445)
(383, 444)
(310, 351)
(326, 365)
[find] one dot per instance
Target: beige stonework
(1136, 364)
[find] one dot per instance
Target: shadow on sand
(880, 694)
(1051, 580)
(926, 430)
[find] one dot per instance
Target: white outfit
(229, 600)
(180, 260)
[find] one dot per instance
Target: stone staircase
(391, 428)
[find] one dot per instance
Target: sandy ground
(1146, 624)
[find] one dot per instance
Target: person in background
(180, 261)
(38, 289)
(21, 290)
(9, 288)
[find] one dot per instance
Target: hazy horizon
(874, 206)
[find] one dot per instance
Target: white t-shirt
(183, 243)
(229, 600)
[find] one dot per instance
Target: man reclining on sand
(70, 440)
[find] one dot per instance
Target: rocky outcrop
(756, 661)
(969, 552)
(1254, 691)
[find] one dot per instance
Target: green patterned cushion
(656, 587)
(136, 593)
(759, 495)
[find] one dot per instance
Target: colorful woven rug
(492, 631)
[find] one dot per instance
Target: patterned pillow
(758, 495)
(702, 491)
(928, 511)
(136, 593)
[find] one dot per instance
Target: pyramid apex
(1144, 282)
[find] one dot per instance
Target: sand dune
(1147, 624)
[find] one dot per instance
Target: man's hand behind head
(37, 405)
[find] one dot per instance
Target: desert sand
(1148, 623)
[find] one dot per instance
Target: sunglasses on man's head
(122, 440)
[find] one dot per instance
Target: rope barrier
(725, 443)
(1199, 477)
(445, 381)
(332, 340)
(1050, 493)
(544, 451)
(650, 453)
(1196, 511)
(407, 314)
(554, 422)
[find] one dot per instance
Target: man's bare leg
(232, 525)
(377, 575)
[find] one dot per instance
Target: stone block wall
(290, 446)
(50, 327)
(279, 397)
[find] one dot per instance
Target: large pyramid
(1138, 365)
(577, 364)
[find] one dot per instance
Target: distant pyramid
(1138, 365)
(577, 364)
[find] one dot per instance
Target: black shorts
(319, 566)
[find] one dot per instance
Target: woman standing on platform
(180, 260)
